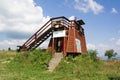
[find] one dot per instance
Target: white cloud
(103, 47)
(114, 10)
(20, 17)
(91, 46)
(5, 44)
(98, 46)
(119, 31)
(118, 42)
(112, 39)
(88, 5)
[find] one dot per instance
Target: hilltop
(34, 66)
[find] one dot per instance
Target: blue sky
(20, 19)
(102, 29)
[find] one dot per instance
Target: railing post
(53, 49)
(35, 38)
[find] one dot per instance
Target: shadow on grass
(114, 78)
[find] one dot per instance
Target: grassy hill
(33, 66)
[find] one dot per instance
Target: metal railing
(53, 21)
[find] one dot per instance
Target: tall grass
(26, 65)
(84, 67)
(33, 66)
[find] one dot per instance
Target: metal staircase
(43, 33)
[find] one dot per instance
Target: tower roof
(81, 22)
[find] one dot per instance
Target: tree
(9, 49)
(110, 53)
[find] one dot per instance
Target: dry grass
(8, 53)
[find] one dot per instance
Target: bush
(93, 54)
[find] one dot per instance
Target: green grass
(33, 66)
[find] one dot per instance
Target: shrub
(93, 54)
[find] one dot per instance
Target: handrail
(43, 30)
(37, 34)
(32, 37)
(45, 27)
(62, 17)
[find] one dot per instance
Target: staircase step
(55, 61)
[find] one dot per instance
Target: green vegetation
(93, 54)
(9, 49)
(110, 53)
(33, 66)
